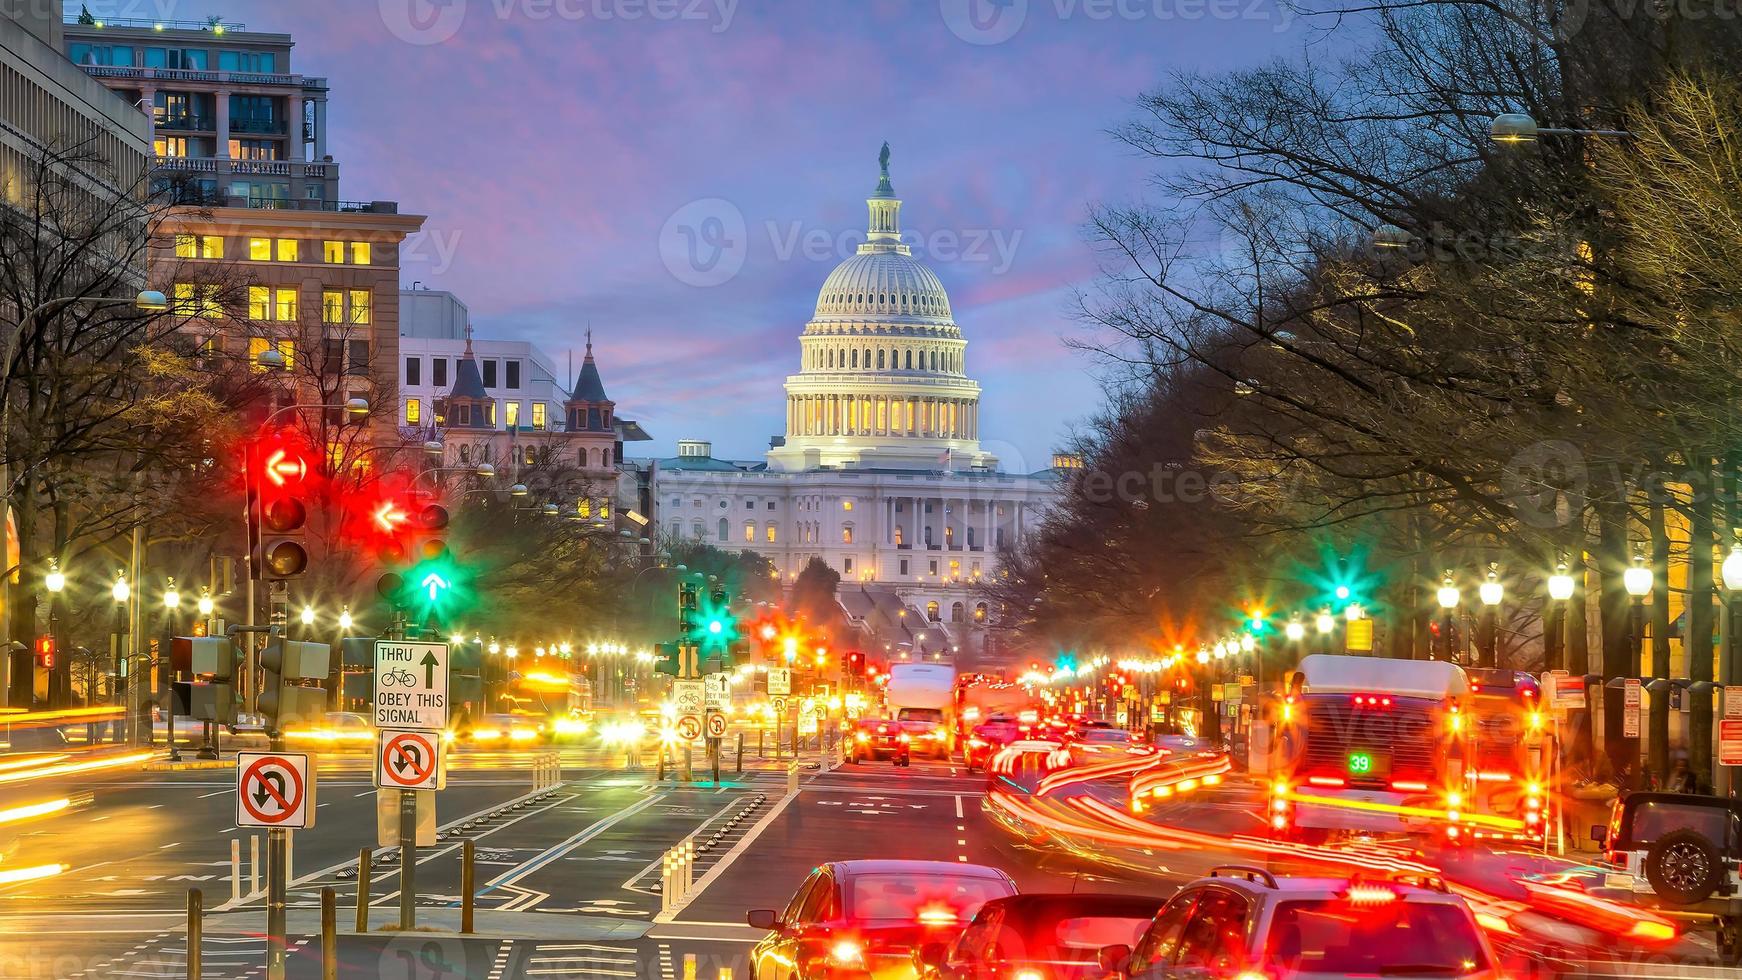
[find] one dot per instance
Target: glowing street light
(308, 615)
(172, 596)
(121, 591)
(55, 580)
(206, 603)
(345, 618)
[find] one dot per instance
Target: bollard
(740, 753)
(235, 869)
(665, 883)
(289, 852)
(760, 752)
(792, 778)
(254, 864)
(468, 896)
(659, 777)
(689, 966)
(196, 930)
(689, 867)
(329, 934)
(363, 881)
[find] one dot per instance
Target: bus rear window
(1398, 938)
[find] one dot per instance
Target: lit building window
(259, 303)
(284, 305)
(605, 510)
(846, 505)
(332, 306)
(585, 507)
(847, 534)
(513, 414)
(931, 611)
(749, 530)
(360, 253)
(197, 300)
(360, 306)
(899, 537)
(538, 417)
(333, 252)
(260, 249)
(771, 534)
(413, 412)
(259, 345)
(199, 247)
(288, 250)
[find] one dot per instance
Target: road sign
(1358, 635)
(689, 728)
(1733, 701)
(1630, 702)
(689, 697)
(780, 680)
(807, 717)
(387, 818)
(716, 725)
(1730, 742)
(411, 685)
(778, 706)
(274, 789)
(718, 690)
(409, 760)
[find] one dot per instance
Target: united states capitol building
(880, 472)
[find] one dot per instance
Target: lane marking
(553, 853)
(959, 807)
(730, 857)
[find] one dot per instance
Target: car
(987, 738)
(852, 920)
(334, 730)
(1244, 920)
(928, 730)
(1040, 937)
(879, 738)
(505, 729)
(1681, 853)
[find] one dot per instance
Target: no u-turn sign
(409, 760)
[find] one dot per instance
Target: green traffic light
(1342, 592)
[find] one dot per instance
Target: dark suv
(1681, 853)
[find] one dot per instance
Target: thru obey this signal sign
(274, 789)
(409, 760)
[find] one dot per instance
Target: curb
(163, 766)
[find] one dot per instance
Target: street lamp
(1521, 127)
(1637, 580)
(55, 580)
(1560, 589)
(1248, 644)
(172, 597)
(1295, 630)
(345, 619)
(206, 603)
(1449, 598)
(121, 591)
(1491, 592)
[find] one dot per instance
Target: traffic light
(667, 658)
(45, 652)
(855, 664)
(284, 697)
(418, 569)
(278, 490)
(688, 613)
(212, 661)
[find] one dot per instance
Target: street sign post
(779, 681)
(716, 725)
(411, 685)
(274, 790)
(777, 706)
(409, 760)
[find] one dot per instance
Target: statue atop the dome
(883, 158)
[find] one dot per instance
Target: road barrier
(329, 934)
(364, 874)
(196, 931)
(235, 869)
(677, 876)
(468, 891)
(547, 771)
(253, 864)
(792, 777)
(740, 753)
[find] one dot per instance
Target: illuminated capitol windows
(880, 472)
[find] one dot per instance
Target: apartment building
(259, 247)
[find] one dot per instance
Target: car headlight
(847, 953)
(862, 737)
(523, 734)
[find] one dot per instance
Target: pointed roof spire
(590, 387)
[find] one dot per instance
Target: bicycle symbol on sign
(399, 677)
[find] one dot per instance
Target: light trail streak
(1479, 819)
(64, 714)
(33, 810)
(35, 760)
(16, 875)
(66, 768)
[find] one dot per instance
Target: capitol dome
(883, 375)
(885, 282)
